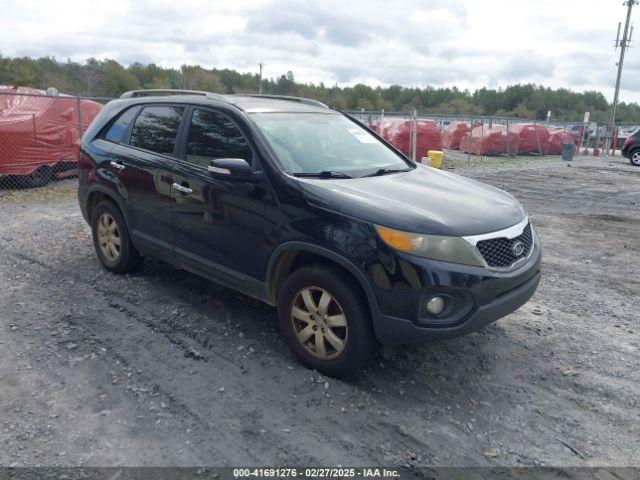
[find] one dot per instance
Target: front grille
(498, 252)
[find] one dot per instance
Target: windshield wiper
(385, 171)
(324, 174)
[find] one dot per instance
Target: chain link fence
(40, 135)
(473, 138)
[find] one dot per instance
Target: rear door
(142, 163)
(218, 225)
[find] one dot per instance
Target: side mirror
(232, 169)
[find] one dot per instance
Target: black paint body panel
(236, 232)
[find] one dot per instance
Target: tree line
(108, 78)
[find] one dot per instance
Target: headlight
(436, 247)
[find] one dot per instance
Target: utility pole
(262, 65)
(623, 44)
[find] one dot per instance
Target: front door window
(212, 135)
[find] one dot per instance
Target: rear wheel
(325, 320)
(111, 239)
(634, 158)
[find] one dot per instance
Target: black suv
(302, 207)
(631, 148)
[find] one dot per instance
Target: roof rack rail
(307, 101)
(168, 91)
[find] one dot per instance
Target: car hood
(423, 200)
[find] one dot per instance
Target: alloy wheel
(319, 323)
(109, 237)
(635, 158)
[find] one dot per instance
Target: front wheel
(325, 320)
(634, 158)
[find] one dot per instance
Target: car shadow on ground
(199, 308)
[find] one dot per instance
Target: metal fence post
(79, 117)
(481, 152)
(469, 145)
(414, 131)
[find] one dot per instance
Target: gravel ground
(165, 368)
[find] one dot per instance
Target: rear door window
(117, 129)
(212, 135)
(156, 129)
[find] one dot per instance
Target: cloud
(285, 22)
(310, 20)
(579, 79)
(526, 66)
(468, 44)
(341, 33)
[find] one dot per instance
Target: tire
(39, 177)
(111, 239)
(329, 347)
(634, 157)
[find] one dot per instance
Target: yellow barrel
(436, 157)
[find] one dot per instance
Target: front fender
(282, 249)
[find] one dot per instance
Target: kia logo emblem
(517, 248)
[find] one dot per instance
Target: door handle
(182, 189)
(117, 165)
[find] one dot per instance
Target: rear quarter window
(117, 129)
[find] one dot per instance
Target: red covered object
(556, 139)
(490, 141)
(533, 138)
(453, 133)
(398, 132)
(40, 130)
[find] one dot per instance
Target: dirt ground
(165, 368)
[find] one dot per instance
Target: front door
(218, 225)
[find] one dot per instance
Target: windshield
(315, 143)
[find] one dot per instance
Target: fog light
(435, 305)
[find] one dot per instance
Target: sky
(463, 43)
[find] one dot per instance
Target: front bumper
(491, 295)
